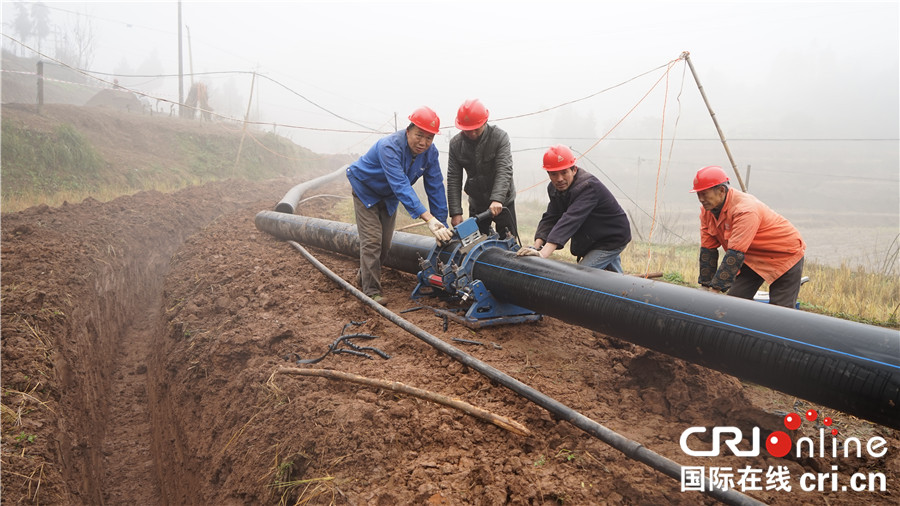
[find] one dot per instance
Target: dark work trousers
(782, 292)
(506, 220)
(376, 229)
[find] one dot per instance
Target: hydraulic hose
(631, 449)
(848, 366)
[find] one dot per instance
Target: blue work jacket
(388, 171)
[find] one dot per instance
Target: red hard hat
(707, 177)
(471, 115)
(426, 119)
(558, 157)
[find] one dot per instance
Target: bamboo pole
(180, 68)
(411, 225)
(190, 54)
(246, 118)
(40, 85)
(687, 57)
(395, 386)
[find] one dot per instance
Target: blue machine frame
(447, 274)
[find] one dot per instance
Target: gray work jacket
(488, 166)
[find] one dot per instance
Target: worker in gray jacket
(481, 150)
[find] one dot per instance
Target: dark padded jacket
(487, 163)
(587, 213)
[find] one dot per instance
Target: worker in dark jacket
(483, 152)
(582, 209)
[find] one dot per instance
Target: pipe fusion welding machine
(447, 274)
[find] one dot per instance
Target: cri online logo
(778, 443)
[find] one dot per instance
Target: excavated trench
(99, 269)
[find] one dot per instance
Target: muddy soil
(143, 343)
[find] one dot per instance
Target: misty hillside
(841, 193)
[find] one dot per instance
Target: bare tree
(75, 42)
(83, 39)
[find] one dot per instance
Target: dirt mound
(141, 340)
(115, 99)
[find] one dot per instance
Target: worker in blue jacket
(383, 178)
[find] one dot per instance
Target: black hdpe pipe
(631, 449)
(841, 364)
(288, 204)
(847, 366)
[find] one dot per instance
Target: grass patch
(63, 166)
(43, 163)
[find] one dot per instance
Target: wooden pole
(180, 68)
(687, 58)
(190, 54)
(395, 386)
(40, 85)
(246, 118)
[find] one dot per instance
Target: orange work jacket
(771, 245)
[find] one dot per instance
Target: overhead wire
(368, 130)
(625, 194)
(662, 132)
(633, 107)
(90, 74)
(583, 155)
(570, 102)
(319, 106)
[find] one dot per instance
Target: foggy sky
(806, 92)
(368, 60)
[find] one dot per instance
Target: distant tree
(152, 66)
(75, 43)
(123, 68)
(40, 21)
(22, 24)
(227, 100)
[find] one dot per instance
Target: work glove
(441, 233)
(528, 252)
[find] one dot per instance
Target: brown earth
(141, 339)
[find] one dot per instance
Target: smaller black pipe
(289, 202)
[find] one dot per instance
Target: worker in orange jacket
(760, 244)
